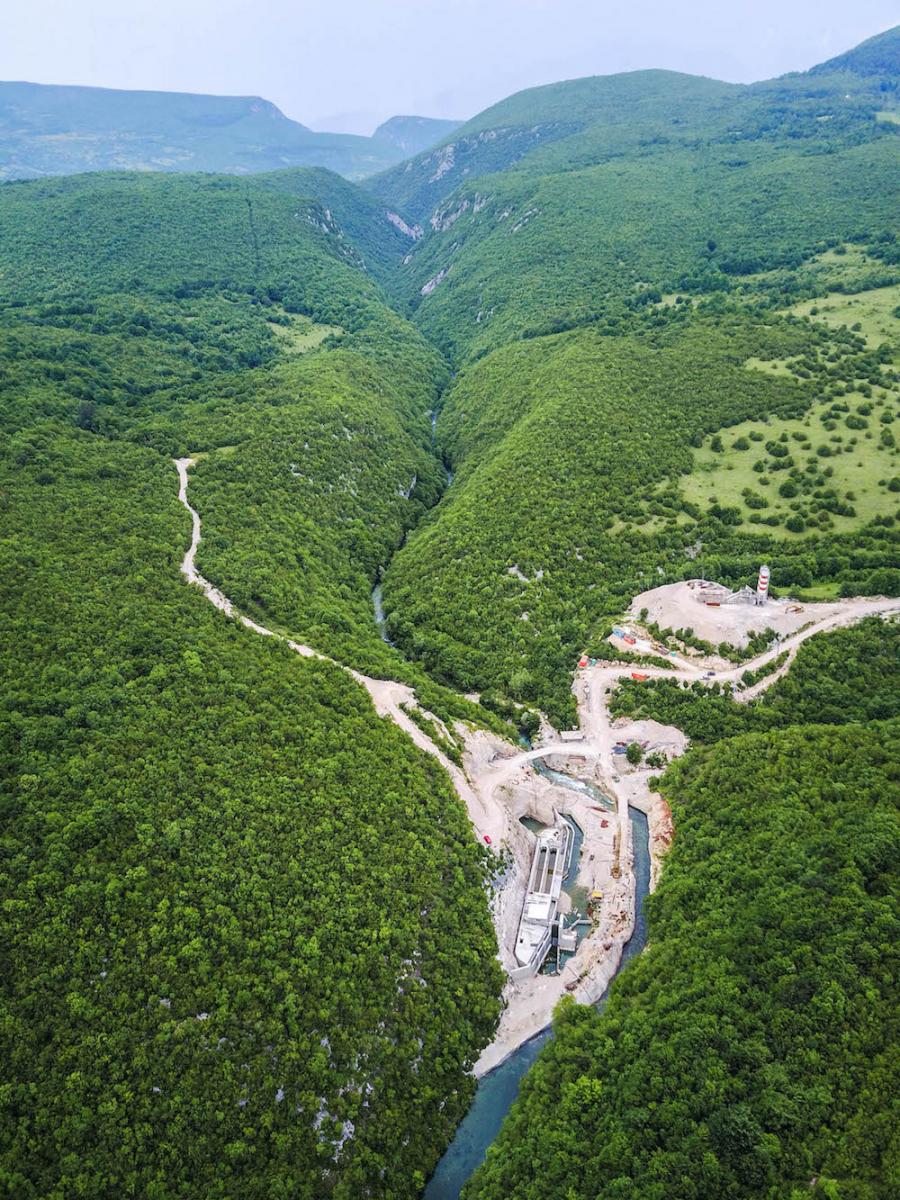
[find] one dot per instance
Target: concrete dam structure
(539, 910)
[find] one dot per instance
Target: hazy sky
(347, 64)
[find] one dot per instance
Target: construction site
(589, 777)
(714, 595)
(716, 613)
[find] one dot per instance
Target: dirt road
(494, 769)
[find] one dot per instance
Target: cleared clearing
(836, 467)
(858, 468)
(848, 267)
(874, 311)
(302, 334)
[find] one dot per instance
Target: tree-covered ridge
(312, 466)
(749, 1050)
(302, 513)
(330, 450)
(413, 134)
(365, 221)
(849, 675)
(524, 254)
(566, 503)
(877, 56)
(95, 234)
(193, 276)
(583, 122)
(683, 205)
(246, 945)
(518, 127)
(208, 840)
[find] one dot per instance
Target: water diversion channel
(497, 1091)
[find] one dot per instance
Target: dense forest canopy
(605, 330)
(246, 944)
(242, 913)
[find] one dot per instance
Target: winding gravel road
(492, 764)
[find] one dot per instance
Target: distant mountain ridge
(49, 129)
(628, 113)
(413, 134)
(512, 129)
(878, 55)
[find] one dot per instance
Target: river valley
(626, 828)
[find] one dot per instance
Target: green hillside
(680, 240)
(571, 453)
(203, 840)
(587, 121)
(54, 130)
(273, 232)
(413, 134)
(610, 333)
(877, 56)
(499, 137)
(579, 228)
(376, 232)
(205, 818)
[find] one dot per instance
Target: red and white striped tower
(762, 587)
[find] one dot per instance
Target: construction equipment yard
(681, 606)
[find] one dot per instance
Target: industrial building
(539, 910)
(714, 595)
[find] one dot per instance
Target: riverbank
(603, 866)
(597, 788)
(498, 1089)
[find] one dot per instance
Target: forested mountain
(670, 182)
(61, 130)
(609, 334)
(412, 134)
(613, 299)
(246, 945)
(280, 229)
(876, 57)
(639, 113)
(499, 137)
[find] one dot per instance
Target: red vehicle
(638, 676)
(487, 839)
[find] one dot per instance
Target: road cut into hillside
(500, 784)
